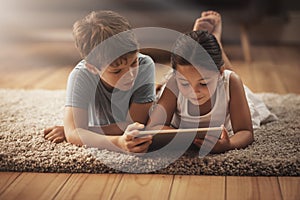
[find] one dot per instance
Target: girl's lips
(197, 99)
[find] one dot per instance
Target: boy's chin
(125, 87)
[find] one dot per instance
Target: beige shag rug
(25, 113)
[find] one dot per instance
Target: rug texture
(25, 113)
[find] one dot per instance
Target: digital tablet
(201, 132)
(163, 137)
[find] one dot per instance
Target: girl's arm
(139, 112)
(161, 116)
(240, 120)
(239, 114)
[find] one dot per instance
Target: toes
(210, 12)
(204, 13)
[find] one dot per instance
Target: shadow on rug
(24, 115)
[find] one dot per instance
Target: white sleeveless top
(219, 113)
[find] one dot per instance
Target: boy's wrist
(115, 141)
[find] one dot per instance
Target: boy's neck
(107, 86)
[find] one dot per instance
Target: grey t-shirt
(83, 87)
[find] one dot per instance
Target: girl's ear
(92, 68)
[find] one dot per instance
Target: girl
(202, 92)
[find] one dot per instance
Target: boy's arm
(138, 112)
(75, 124)
(76, 131)
(111, 129)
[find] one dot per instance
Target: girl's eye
(203, 83)
(116, 72)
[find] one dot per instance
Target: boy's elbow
(73, 137)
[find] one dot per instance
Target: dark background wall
(268, 21)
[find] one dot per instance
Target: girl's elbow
(251, 137)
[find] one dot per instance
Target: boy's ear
(92, 68)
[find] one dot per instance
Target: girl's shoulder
(234, 78)
(236, 86)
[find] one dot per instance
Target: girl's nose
(196, 88)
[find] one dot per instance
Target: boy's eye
(116, 72)
(203, 84)
(134, 64)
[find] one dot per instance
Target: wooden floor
(46, 66)
(129, 186)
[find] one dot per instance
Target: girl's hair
(197, 48)
(99, 26)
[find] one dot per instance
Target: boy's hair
(98, 26)
(197, 48)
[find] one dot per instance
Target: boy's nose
(131, 72)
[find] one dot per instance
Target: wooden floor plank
(198, 187)
(264, 77)
(6, 178)
(56, 79)
(244, 71)
(144, 186)
(285, 61)
(35, 186)
(290, 187)
(90, 186)
(25, 78)
(252, 188)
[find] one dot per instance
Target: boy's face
(198, 85)
(123, 74)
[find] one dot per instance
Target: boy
(109, 89)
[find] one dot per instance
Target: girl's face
(123, 75)
(196, 84)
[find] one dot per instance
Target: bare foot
(210, 21)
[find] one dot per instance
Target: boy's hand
(129, 142)
(222, 145)
(55, 134)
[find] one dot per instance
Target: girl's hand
(55, 134)
(222, 145)
(130, 143)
